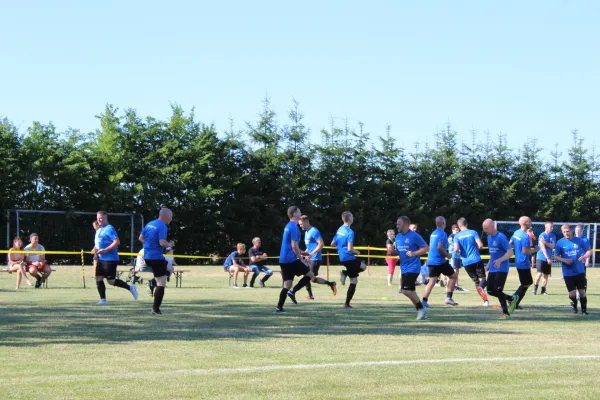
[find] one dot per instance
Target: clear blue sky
(529, 69)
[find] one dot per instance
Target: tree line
(228, 187)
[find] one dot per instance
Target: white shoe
(486, 303)
(133, 291)
(102, 302)
(422, 314)
(450, 302)
(29, 283)
(235, 286)
(425, 304)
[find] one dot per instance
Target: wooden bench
(178, 273)
(44, 284)
(274, 271)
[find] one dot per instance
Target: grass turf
(215, 342)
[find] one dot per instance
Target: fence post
(82, 268)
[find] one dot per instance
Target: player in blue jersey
(521, 242)
(579, 234)
(498, 266)
(290, 257)
(572, 252)
(344, 241)
(543, 263)
(455, 261)
(154, 238)
(106, 245)
(411, 247)
(437, 261)
(313, 255)
(467, 244)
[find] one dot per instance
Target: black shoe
(280, 310)
(574, 308)
(156, 312)
(38, 283)
(262, 284)
(535, 292)
(518, 308)
(292, 296)
(584, 312)
(245, 285)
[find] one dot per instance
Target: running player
(411, 247)
(520, 240)
(344, 241)
(313, 255)
(543, 262)
(467, 244)
(572, 252)
(438, 263)
(498, 266)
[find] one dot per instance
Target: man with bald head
(154, 238)
(498, 267)
(437, 260)
(543, 262)
(520, 242)
(467, 244)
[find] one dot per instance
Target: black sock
(583, 301)
(543, 289)
(153, 282)
(265, 278)
(253, 279)
(322, 281)
(424, 298)
(159, 292)
(521, 293)
(282, 297)
(301, 283)
(101, 289)
(309, 289)
(121, 284)
(535, 287)
(419, 306)
(503, 304)
(573, 300)
(449, 294)
(350, 294)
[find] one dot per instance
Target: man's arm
(296, 249)
(543, 245)
(442, 250)
(419, 252)
(505, 257)
(456, 248)
(586, 255)
(141, 238)
(320, 245)
(115, 243)
(479, 243)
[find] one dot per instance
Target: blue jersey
(153, 233)
(311, 239)
(343, 236)
(498, 246)
(291, 232)
(409, 241)
(572, 249)
(467, 244)
(104, 238)
(454, 254)
(549, 238)
(435, 257)
(233, 256)
(519, 240)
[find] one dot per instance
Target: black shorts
(409, 281)
(353, 267)
(496, 282)
(313, 266)
(525, 277)
(543, 267)
(441, 269)
(575, 282)
(159, 267)
(476, 271)
(107, 269)
(290, 270)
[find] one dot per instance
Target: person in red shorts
(36, 262)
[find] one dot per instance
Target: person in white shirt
(36, 262)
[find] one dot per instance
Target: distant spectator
(258, 261)
(16, 261)
(391, 262)
(36, 262)
(235, 265)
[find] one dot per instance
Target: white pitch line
(226, 371)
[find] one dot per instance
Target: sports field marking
(225, 371)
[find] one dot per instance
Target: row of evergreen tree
(229, 187)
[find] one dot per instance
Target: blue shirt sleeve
(112, 233)
(295, 234)
(317, 235)
(558, 250)
(351, 237)
(586, 245)
(163, 232)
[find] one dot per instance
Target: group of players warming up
(571, 251)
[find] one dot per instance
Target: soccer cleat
(235, 287)
(334, 288)
(346, 305)
(310, 298)
(450, 302)
(545, 293)
(292, 296)
(421, 314)
(279, 310)
(459, 289)
(102, 302)
(425, 304)
(574, 307)
(486, 303)
(29, 283)
(156, 312)
(133, 291)
(513, 304)
(504, 316)
(262, 284)
(343, 277)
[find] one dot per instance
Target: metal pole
(132, 233)
(595, 245)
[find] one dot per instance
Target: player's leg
(353, 269)
(434, 274)
(287, 275)
(33, 271)
(391, 264)
(159, 269)
(246, 271)
(452, 277)
(100, 273)
(408, 289)
(111, 273)
(234, 273)
(255, 271)
(268, 274)
(300, 269)
(526, 280)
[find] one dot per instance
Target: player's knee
(354, 280)
(111, 280)
(269, 272)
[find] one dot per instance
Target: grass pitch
(219, 343)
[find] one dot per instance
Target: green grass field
(219, 343)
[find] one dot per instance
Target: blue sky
(527, 69)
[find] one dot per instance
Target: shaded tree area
(229, 187)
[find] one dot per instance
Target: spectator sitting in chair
(258, 259)
(16, 262)
(234, 264)
(36, 263)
